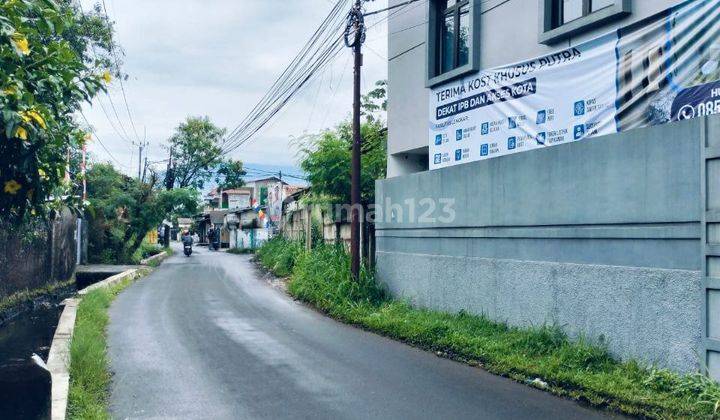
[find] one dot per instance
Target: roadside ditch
(27, 328)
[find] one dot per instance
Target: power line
(374, 12)
(318, 51)
(120, 79)
(92, 132)
(102, 107)
(124, 134)
(292, 67)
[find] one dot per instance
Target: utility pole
(170, 174)
(141, 146)
(354, 38)
(144, 168)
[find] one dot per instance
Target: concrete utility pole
(141, 146)
(354, 38)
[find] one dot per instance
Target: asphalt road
(206, 337)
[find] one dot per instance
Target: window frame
(552, 30)
(434, 76)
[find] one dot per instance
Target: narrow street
(206, 337)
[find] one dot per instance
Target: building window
(454, 34)
(453, 28)
(560, 19)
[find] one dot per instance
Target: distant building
(236, 198)
(261, 188)
(245, 229)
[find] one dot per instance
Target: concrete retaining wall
(603, 237)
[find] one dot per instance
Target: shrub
(279, 255)
(323, 278)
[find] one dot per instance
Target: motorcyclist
(211, 237)
(187, 241)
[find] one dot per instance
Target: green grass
(28, 295)
(147, 250)
(241, 251)
(577, 369)
(278, 255)
(89, 368)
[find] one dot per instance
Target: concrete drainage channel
(59, 358)
(44, 329)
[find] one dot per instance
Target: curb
(159, 258)
(108, 281)
(58, 362)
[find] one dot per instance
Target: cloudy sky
(218, 58)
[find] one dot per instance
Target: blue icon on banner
(579, 108)
(485, 128)
(541, 117)
(512, 143)
(438, 158)
(579, 131)
(540, 138)
(458, 154)
(484, 150)
(438, 140)
(512, 122)
(458, 135)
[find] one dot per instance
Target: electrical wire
(101, 142)
(318, 51)
(322, 48)
(301, 59)
(120, 79)
(124, 135)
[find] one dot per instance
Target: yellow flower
(107, 77)
(21, 133)
(20, 43)
(30, 116)
(38, 118)
(12, 187)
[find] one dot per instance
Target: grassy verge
(89, 369)
(575, 369)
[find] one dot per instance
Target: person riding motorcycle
(187, 241)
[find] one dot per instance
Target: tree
(45, 75)
(230, 174)
(178, 202)
(196, 151)
(325, 158)
(374, 102)
(123, 210)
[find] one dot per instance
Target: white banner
(661, 69)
